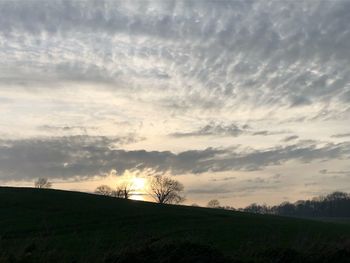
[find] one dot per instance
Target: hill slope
(51, 225)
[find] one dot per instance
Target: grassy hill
(61, 226)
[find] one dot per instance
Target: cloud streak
(341, 135)
(90, 156)
(220, 129)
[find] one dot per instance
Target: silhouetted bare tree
(166, 190)
(124, 190)
(213, 203)
(104, 190)
(116, 193)
(42, 183)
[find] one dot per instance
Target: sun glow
(139, 188)
(138, 184)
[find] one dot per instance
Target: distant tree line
(214, 203)
(336, 204)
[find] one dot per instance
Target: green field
(61, 226)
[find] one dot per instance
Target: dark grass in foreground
(60, 226)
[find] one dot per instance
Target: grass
(62, 226)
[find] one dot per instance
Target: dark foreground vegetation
(40, 225)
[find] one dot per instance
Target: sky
(241, 101)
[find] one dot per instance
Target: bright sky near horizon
(242, 101)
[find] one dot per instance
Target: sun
(138, 183)
(139, 188)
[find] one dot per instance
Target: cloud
(300, 101)
(82, 129)
(238, 189)
(290, 138)
(210, 190)
(267, 133)
(206, 55)
(258, 180)
(221, 129)
(341, 135)
(227, 178)
(217, 129)
(84, 156)
(57, 157)
(310, 184)
(340, 172)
